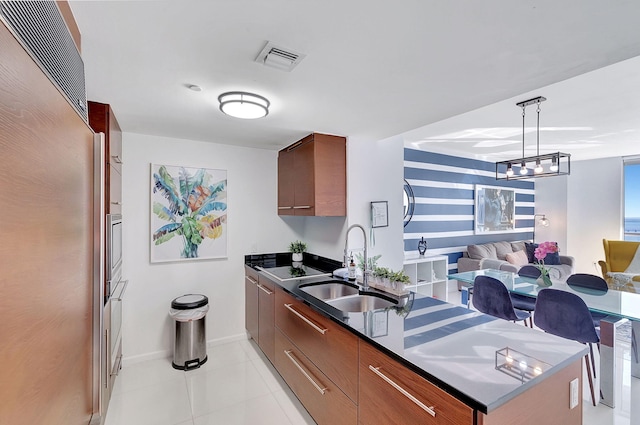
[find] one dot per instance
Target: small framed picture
(379, 214)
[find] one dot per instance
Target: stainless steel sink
(358, 303)
(329, 290)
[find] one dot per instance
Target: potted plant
(297, 248)
(388, 279)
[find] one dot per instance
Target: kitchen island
(418, 359)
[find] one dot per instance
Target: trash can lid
(189, 301)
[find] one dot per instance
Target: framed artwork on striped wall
(494, 209)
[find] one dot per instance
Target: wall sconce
(553, 164)
(543, 221)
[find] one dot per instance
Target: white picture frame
(494, 209)
(188, 213)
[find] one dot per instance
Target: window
(632, 199)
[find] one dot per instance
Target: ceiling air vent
(279, 57)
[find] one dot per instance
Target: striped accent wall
(444, 189)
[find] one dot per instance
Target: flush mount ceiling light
(552, 164)
(244, 105)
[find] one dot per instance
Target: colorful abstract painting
(188, 213)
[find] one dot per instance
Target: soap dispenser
(352, 268)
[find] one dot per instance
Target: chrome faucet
(366, 271)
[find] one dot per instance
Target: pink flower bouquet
(541, 253)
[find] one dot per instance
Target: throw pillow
(530, 248)
(518, 258)
(502, 249)
(480, 252)
(552, 259)
(518, 246)
(634, 265)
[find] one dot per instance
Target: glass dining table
(620, 306)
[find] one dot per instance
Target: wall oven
(113, 263)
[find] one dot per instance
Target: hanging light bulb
(554, 164)
(509, 170)
(538, 168)
(523, 168)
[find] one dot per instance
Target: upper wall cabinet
(102, 120)
(312, 177)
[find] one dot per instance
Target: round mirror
(409, 202)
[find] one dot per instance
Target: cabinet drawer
(266, 314)
(321, 397)
(333, 349)
(390, 393)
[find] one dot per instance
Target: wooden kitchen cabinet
(259, 311)
(103, 120)
(331, 348)
(390, 393)
(266, 318)
(322, 398)
(251, 320)
(312, 177)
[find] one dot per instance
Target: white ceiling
(445, 74)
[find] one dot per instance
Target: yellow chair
(617, 257)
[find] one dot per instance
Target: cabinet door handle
(429, 410)
(266, 290)
(304, 372)
(116, 159)
(302, 207)
(107, 355)
(309, 322)
(252, 280)
(116, 202)
(285, 208)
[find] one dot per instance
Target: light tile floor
(239, 386)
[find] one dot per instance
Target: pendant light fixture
(553, 164)
(244, 105)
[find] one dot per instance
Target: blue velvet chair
(564, 314)
(490, 296)
(529, 271)
(593, 285)
(524, 302)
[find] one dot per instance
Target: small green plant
(399, 276)
(371, 260)
(297, 247)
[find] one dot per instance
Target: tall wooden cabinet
(46, 254)
(103, 120)
(312, 177)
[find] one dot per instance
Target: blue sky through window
(632, 202)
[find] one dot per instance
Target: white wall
(552, 200)
(595, 209)
(252, 223)
(376, 172)
(584, 208)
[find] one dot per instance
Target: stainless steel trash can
(190, 344)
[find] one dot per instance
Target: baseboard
(168, 354)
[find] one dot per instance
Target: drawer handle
(429, 410)
(264, 289)
(309, 322)
(302, 207)
(116, 159)
(304, 372)
(252, 280)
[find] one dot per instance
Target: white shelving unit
(428, 275)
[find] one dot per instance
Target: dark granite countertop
(449, 345)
